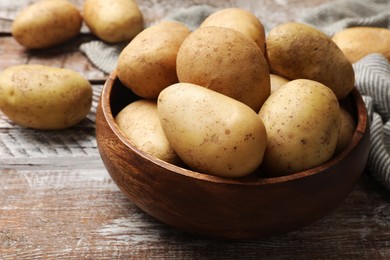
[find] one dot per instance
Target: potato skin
(357, 42)
(139, 122)
(113, 21)
(46, 24)
(225, 61)
(302, 119)
(147, 64)
(241, 20)
(211, 133)
(299, 51)
(43, 97)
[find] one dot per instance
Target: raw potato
(241, 20)
(148, 63)
(348, 127)
(140, 124)
(302, 120)
(211, 133)
(46, 24)
(358, 42)
(277, 81)
(299, 51)
(113, 21)
(43, 97)
(225, 61)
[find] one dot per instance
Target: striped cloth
(372, 72)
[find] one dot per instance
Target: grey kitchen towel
(372, 73)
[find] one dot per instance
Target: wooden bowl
(222, 207)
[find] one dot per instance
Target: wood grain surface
(57, 200)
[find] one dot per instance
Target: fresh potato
(147, 64)
(358, 42)
(46, 23)
(277, 81)
(348, 127)
(241, 20)
(211, 133)
(43, 97)
(140, 124)
(302, 120)
(225, 61)
(113, 21)
(299, 51)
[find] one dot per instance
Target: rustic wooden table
(57, 201)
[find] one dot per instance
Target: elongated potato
(46, 24)
(226, 61)
(147, 64)
(211, 133)
(140, 124)
(43, 97)
(241, 20)
(113, 21)
(302, 119)
(299, 51)
(357, 42)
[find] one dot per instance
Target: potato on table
(46, 23)
(113, 21)
(357, 42)
(43, 97)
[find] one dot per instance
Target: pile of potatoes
(227, 100)
(43, 97)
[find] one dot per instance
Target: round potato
(299, 51)
(43, 97)
(302, 120)
(277, 81)
(46, 23)
(225, 61)
(113, 21)
(347, 130)
(147, 64)
(139, 122)
(357, 42)
(241, 20)
(211, 133)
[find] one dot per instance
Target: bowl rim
(360, 131)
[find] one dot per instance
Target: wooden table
(57, 201)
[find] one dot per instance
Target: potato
(347, 130)
(358, 42)
(225, 61)
(113, 21)
(46, 23)
(241, 20)
(147, 64)
(299, 51)
(277, 81)
(139, 122)
(302, 120)
(43, 97)
(211, 133)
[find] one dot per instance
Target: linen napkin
(372, 73)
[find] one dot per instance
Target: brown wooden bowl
(222, 207)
